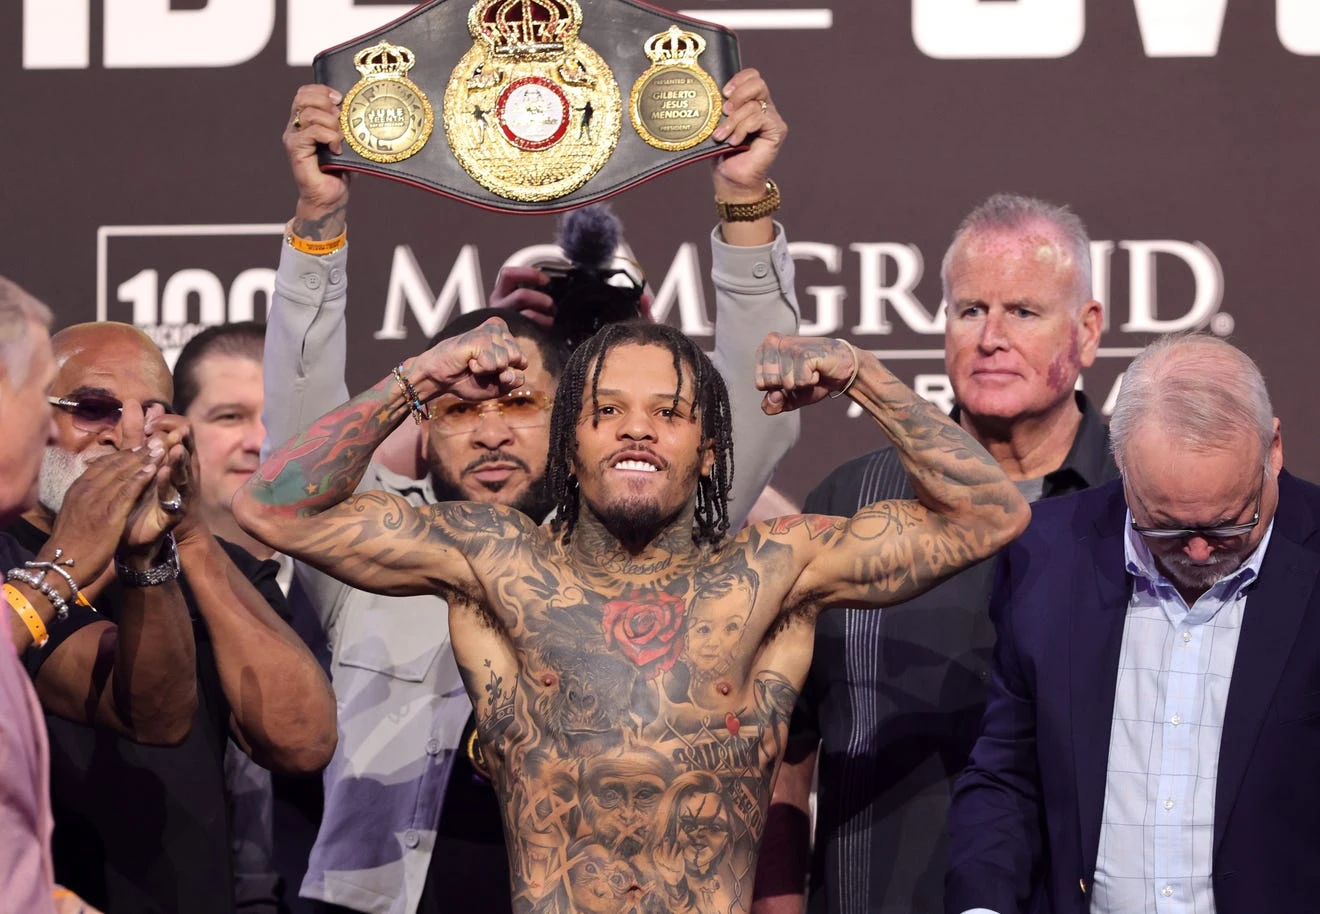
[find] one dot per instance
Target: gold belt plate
(386, 117)
(531, 112)
(675, 104)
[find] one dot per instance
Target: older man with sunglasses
(137, 678)
(1153, 723)
(142, 828)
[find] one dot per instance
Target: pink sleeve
(26, 871)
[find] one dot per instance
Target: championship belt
(531, 106)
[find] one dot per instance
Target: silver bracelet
(857, 366)
(167, 569)
(55, 565)
(35, 581)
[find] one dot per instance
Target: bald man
(1152, 732)
(150, 668)
(142, 828)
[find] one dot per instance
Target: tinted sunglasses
(90, 412)
(520, 409)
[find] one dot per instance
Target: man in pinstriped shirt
(1154, 719)
(894, 699)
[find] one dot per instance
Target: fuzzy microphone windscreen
(590, 235)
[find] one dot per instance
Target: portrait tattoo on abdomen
(633, 756)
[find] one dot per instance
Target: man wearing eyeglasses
(142, 828)
(403, 707)
(1154, 720)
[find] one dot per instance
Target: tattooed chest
(633, 735)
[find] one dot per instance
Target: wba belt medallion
(675, 104)
(385, 117)
(531, 112)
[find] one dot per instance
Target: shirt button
(311, 281)
(1175, 719)
(1168, 804)
(433, 747)
(411, 838)
(1166, 891)
(336, 275)
(1187, 636)
(760, 270)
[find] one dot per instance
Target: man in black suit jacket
(1154, 717)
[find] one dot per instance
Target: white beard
(59, 471)
(1185, 573)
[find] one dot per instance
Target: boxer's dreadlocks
(710, 398)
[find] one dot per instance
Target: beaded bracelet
(55, 565)
(28, 613)
(43, 587)
(419, 409)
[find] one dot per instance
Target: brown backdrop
(144, 179)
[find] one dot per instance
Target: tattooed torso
(632, 707)
(631, 718)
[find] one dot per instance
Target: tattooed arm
(322, 197)
(299, 501)
(966, 509)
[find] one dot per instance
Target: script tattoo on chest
(634, 746)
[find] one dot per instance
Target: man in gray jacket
(402, 706)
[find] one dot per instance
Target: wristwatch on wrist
(750, 212)
(167, 569)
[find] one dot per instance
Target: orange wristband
(315, 248)
(28, 613)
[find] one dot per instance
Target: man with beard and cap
(137, 678)
(401, 767)
(143, 828)
(1153, 723)
(639, 470)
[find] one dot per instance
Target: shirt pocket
(400, 639)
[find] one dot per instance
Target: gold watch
(750, 212)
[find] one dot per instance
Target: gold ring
(765, 106)
(297, 119)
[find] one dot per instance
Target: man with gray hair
(1153, 720)
(894, 699)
